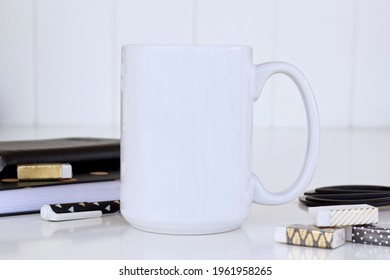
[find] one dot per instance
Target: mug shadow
(140, 245)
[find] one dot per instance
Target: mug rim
(188, 46)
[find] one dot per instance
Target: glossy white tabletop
(346, 157)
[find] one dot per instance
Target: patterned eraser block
(310, 236)
(343, 215)
(375, 234)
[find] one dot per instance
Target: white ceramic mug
(186, 137)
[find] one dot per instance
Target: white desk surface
(347, 157)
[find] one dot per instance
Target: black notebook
(95, 164)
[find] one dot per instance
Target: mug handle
(262, 73)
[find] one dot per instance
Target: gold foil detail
(328, 237)
(69, 180)
(296, 238)
(322, 241)
(41, 171)
(316, 235)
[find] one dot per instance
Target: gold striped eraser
(343, 215)
(310, 236)
(44, 171)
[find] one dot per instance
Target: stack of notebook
(38, 172)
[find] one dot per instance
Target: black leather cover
(86, 155)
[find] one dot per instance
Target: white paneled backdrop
(60, 59)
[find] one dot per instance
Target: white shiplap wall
(60, 59)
